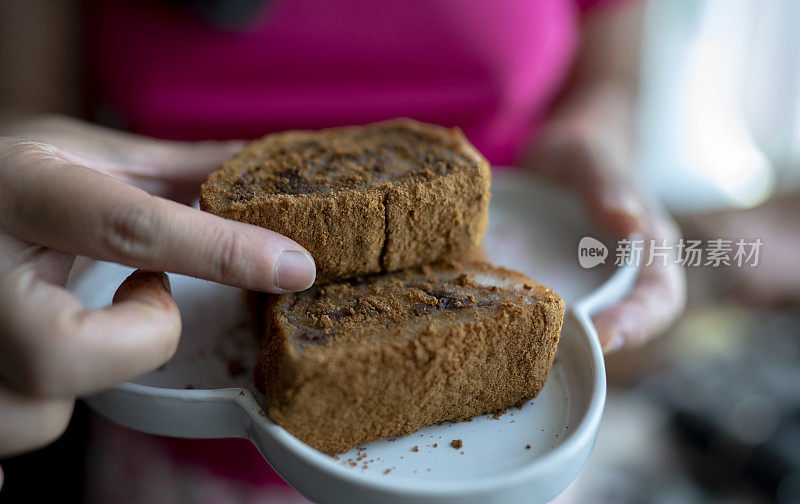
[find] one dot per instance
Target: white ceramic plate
(526, 455)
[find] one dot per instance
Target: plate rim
(584, 432)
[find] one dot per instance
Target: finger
(658, 296)
(54, 347)
(649, 309)
(609, 199)
(614, 206)
(27, 423)
(115, 151)
(85, 212)
(53, 266)
(174, 170)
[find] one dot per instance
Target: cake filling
(359, 308)
(331, 162)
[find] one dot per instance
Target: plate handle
(615, 288)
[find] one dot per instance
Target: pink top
(490, 67)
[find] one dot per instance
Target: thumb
(180, 161)
(158, 166)
(175, 170)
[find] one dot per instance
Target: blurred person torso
(491, 68)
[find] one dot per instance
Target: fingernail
(294, 271)
(627, 206)
(614, 343)
(631, 206)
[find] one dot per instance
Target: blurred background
(710, 412)
(719, 102)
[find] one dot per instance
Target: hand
(585, 145)
(69, 188)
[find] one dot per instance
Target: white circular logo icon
(591, 252)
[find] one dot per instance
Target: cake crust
(360, 199)
(385, 355)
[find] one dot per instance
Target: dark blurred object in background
(224, 14)
(55, 473)
(737, 410)
(708, 414)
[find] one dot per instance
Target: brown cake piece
(361, 199)
(385, 355)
